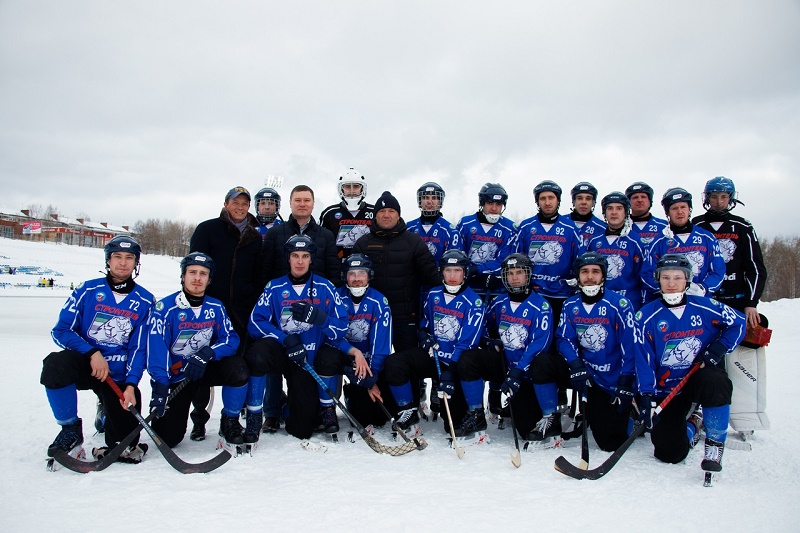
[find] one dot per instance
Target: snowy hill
(350, 487)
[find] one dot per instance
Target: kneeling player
(451, 325)
(292, 318)
(673, 333)
(360, 354)
(191, 338)
(595, 343)
(519, 328)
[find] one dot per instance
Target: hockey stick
(516, 458)
(459, 449)
(567, 468)
(584, 464)
(371, 442)
(83, 467)
(395, 427)
(175, 462)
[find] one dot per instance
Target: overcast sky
(150, 109)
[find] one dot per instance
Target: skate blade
(236, 450)
(480, 437)
(709, 478)
(549, 443)
(310, 446)
(77, 452)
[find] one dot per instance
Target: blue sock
(254, 395)
(547, 395)
(473, 393)
(716, 421)
(233, 399)
(64, 403)
(402, 393)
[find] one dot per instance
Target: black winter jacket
(325, 262)
(402, 264)
(237, 258)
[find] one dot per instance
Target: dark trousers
(68, 367)
(415, 364)
(709, 387)
(488, 365)
(268, 355)
(228, 371)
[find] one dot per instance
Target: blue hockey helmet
(299, 243)
(268, 194)
(200, 259)
(721, 184)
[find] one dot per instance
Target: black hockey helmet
(674, 196)
(198, 258)
(516, 260)
(299, 243)
(357, 262)
(590, 258)
(492, 192)
(122, 243)
(639, 186)
(616, 197)
(547, 185)
(430, 188)
(674, 262)
(268, 194)
(584, 187)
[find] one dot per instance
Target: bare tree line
(164, 237)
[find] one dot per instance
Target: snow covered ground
(350, 487)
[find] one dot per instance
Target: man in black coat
(234, 243)
(402, 264)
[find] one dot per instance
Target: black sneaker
(198, 433)
(472, 422)
(271, 424)
(70, 436)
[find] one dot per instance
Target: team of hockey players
(618, 310)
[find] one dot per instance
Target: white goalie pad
(747, 369)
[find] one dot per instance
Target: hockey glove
(513, 382)
(158, 401)
(493, 345)
(647, 410)
(196, 365)
(579, 377)
(447, 383)
(623, 394)
(366, 382)
(295, 349)
(714, 354)
(426, 340)
(310, 314)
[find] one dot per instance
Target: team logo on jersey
(100, 296)
(680, 354)
(110, 330)
(350, 233)
(545, 306)
(638, 315)
(285, 294)
(436, 300)
(478, 302)
(191, 341)
(615, 266)
(357, 331)
(592, 338)
(482, 251)
(575, 310)
(662, 326)
(385, 301)
(159, 305)
(513, 336)
(728, 248)
(697, 260)
(290, 325)
(547, 253)
(623, 302)
(337, 215)
(445, 327)
(182, 316)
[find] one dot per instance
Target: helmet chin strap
(673, 298)
(358, 292)
(591, 290)
(453, 289)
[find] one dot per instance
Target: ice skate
(230, 432)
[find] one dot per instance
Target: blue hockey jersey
(438, 237)
(177, 331)
(669, 340)
(456, 322)
(590, 229)
(601, 334)
(369, 327)
(625, 258)
(648, 231)
(92, 319)
(701, 249)
(525, 328)
(272, 316)
(552, 252)
(486, 246)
